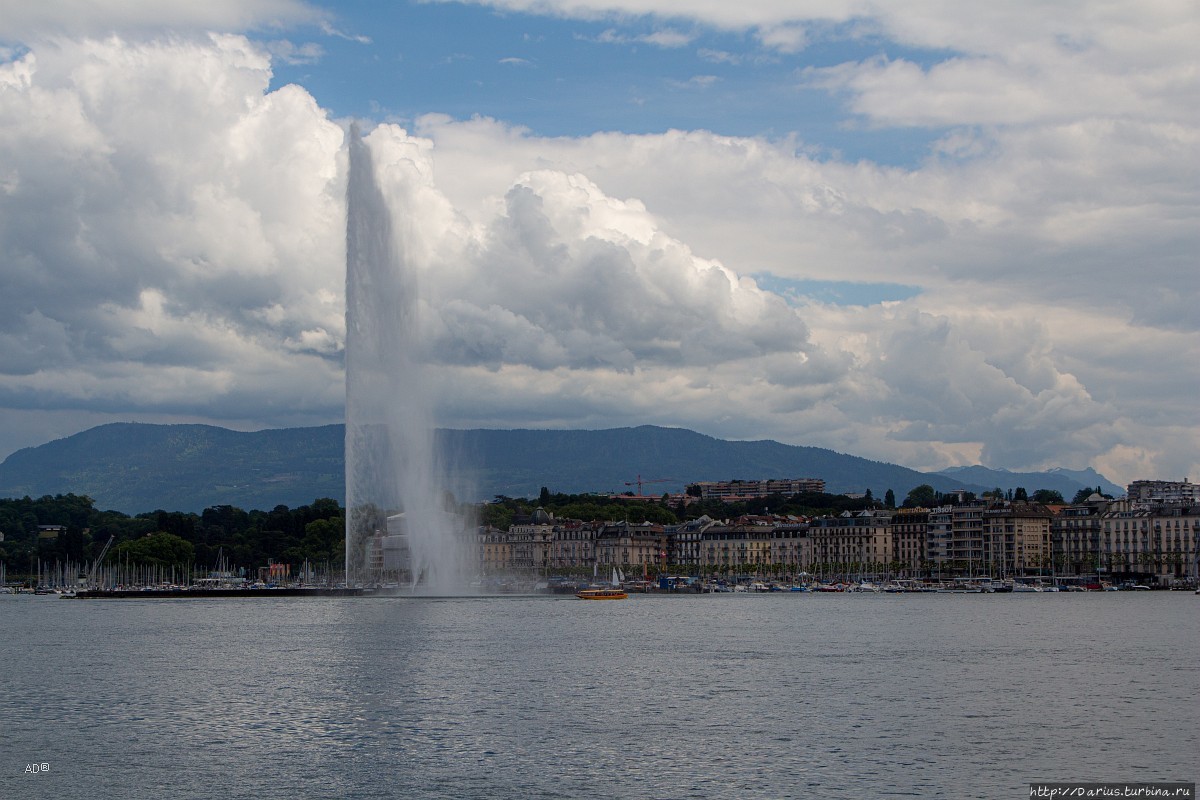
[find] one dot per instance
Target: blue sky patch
(838, 293)
(566, 77)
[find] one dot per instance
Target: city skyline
(929, 235)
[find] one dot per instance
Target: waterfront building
(495, 551)
(791, 547)
(375, 555)
(388, 556)
(964, 550)
(909, 531)
(854, 542)
(531, 541)
(1139, 541)
(937, 536)
(573, 543)
(1075, 537)
(1015, 539)
(735, 548)
(631, 545)
(684, 541)
(730, 491)
(1176, 529)
(1125, 537)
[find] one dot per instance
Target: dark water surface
(738, 696)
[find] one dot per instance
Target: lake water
(740, 696)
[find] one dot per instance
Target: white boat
(960, 586)
(907, 586)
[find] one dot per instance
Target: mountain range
(1065, 481)
(136, 467)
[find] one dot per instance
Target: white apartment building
(748, 490)
(1143, 492)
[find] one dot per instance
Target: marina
(618, 588)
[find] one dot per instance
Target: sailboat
(603, 592)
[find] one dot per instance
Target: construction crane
(638, 483)
(91, 578)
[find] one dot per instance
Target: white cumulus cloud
(21, 20)
(172, 240)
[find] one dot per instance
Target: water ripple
(760, 697)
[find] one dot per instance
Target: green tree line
(503, 510)
(249, 539)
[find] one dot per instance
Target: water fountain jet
(398, 526)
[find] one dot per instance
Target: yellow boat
(601, 594)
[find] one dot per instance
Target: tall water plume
(397, 522)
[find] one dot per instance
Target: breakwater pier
(202, 593)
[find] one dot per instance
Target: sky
(922, 232)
